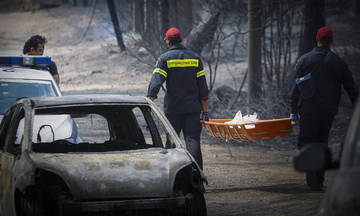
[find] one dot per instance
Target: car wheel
(29, 206)
(198, 206)
(315, 180)
(55, 201)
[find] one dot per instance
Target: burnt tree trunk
(165, 7)
(202, 34)
(150, 17)
(138, 16)
(314, 19)
(180, 15)
(116, 25)
(254, 49)
(357, 8)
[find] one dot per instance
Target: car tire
(199, 204)
(29, 206)
(196, 206)
(56, 201)
(315, 180)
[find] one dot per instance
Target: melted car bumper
(121, 205)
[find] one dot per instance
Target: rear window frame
(71, 109)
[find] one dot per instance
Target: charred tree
(138, 16)
(180, 12)
(314, 19)
(203, 34)
(357, 8)
(277, 50)
(164, 8)
(150, 17)
(254, 49)
(116, 25)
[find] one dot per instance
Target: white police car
(27, 77)
(20, 77)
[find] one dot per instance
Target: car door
(8, 157)
(4, 127)
(343, 196)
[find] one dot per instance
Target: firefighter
(187, 91)
(316, 93)
(35, 46)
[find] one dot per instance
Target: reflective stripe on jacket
(183, 71)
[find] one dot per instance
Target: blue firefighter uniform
(317, 112)
(323, 106)
(183, 71)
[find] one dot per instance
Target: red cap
(325, 34)
(171, 33)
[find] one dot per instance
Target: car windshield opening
(95, 128)
(11, 90)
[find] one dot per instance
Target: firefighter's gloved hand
(295, 118)
(205, 116)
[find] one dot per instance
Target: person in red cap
(315, 95)
(187, 92)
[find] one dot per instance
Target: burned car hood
(126, 174)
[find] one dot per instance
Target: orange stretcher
(262, 129)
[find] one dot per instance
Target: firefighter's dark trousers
(189, 124)
(314, 128)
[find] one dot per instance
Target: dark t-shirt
(51, 68)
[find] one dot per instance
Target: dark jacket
(183, 71)
(52, 68)
(328, 81)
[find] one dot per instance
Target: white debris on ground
(239, 118)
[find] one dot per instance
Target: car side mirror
(313, 157)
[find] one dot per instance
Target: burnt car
(130, 160)
(342, 197)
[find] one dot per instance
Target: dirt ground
(254, 180)
(245, 178)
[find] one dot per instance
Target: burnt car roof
(85, 99)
